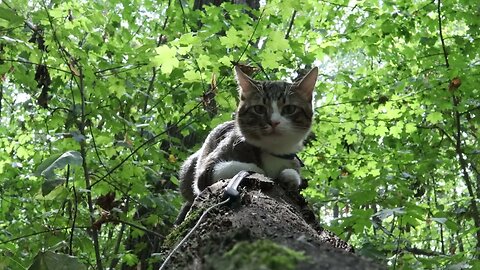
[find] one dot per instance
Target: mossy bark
(266, 227)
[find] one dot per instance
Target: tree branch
(458, 144)
(41, 232)
(70, 244)
(145, 143)
(464, 170)
(291, 24)
(115, 260)
(1, 98)
(86, 174)
(470, 110)
(161, 37)
(127, 68)
(251, 36)
(36, 64)
(445, 54)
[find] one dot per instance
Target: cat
(272, 120)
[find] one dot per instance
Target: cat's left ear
(245, 83)
(307, 84)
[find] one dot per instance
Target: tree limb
(291, 24)
(41, 232)
(445, 54)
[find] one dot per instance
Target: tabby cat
(271, 122)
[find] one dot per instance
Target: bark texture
(265, 228)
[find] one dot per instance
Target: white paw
(229, 169)
(290, 177)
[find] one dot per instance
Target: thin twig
(154, 69)
(139, 228)
(151, 140)
(36, 64)
(83, 153)
(125, 68)
(74, 217)
(398, 242)
(184, 21)
(1, 98)
(97, 153)
(458, 145)
(291, 24)
(120, 236)
(464, 169)
(63, 53)
(251, 36)
(40, 232)
(470, 110)
(336, 4)
(441, 34)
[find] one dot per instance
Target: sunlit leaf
(68, 158)
(55, 261)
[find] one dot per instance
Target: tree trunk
(266, 228)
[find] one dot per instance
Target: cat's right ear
(306, 86)
(246, 84)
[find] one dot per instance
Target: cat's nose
(274, 124)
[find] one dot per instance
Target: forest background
(101, 101)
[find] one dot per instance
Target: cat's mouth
(272, 132)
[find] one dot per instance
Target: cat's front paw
(290, 178)
(229, 169)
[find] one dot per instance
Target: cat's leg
(215, 171)
(291, 178)
(187, 177)
(183, 213)
(228, 169)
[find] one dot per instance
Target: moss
(261, 254)
(182, 229)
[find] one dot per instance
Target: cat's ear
(306, 86)
(246, 84)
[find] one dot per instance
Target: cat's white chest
(273, 165)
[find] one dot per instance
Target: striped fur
(273, 118)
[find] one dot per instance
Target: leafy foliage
(101, 101)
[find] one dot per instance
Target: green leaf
(381, 130)
(435, 117)
(232, 38)
(58, 193)
(67, 158)
(130, 259)
(174, 180)
(277, 41)
(410, 128)
(270, 59)
(203, 61)
(10, 16)
(440, 220)
(166, 58)
(49, 185)
(55, 261)
(385, 213)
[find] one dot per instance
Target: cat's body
(271, 122)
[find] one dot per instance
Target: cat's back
(219, 133)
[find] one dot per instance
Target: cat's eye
(259, 109)
(289, 109)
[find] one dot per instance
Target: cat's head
(275, 115)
